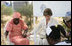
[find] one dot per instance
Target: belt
(42, 38)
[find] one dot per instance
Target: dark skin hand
(6, 33)
(25, 33)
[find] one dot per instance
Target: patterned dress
(15, 33)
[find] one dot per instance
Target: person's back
(54, 36)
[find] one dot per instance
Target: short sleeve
(9, 27)
(24, 25)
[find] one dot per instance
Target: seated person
(14, 29)
(54, 36)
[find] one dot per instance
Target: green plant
(6, 10)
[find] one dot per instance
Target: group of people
(48, 29)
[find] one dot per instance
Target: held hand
(6, 37)
(29, 34)
(24, 35)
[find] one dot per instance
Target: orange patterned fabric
(16, 15)
(15, 33)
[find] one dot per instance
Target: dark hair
(55, 34)
(47, 11)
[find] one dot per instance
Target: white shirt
(41, 28)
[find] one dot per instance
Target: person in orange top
(14, 28)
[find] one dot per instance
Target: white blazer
(41, 28)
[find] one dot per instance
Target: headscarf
(16, 15)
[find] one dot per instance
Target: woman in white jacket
(43, 25)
